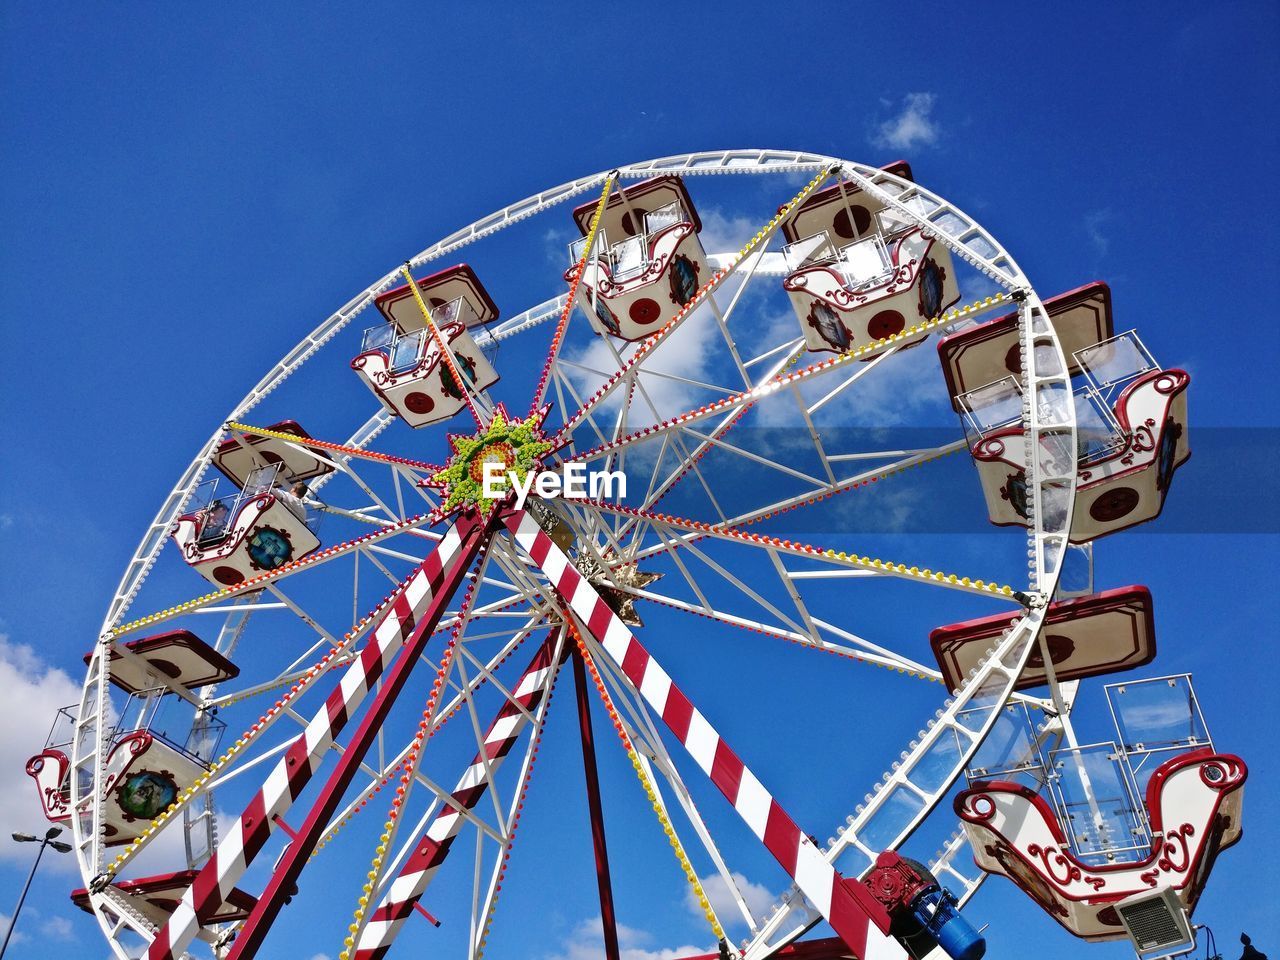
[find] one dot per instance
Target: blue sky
(186, 193)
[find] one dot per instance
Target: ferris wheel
(650, 411)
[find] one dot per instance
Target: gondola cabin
(235, 538)
(240, 454)
(1131, 417)
(859, 272)
(647, 260)
(1115, 839)
(160, 744)
(400, 360)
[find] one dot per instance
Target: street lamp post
(47, 841)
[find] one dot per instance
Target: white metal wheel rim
(1047, 547)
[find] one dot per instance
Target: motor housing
(923, 914)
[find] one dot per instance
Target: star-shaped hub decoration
(612, 585)
(518, 446)
(623, 603)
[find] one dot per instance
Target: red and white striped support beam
(395, 643)
(854, 914)
(422, 864)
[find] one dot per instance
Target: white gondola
(647, 261)
(859, 272)
(1114, 836)
(231, 539)
(400, 360)
(1131, 435)
(160, 744)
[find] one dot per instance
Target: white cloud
(893, 511)
(757, 896)
(586, 940)
(912, 126)
(555, 243)
(684, 352)
(1093, 227)
(33, 692)
(57, 928)
(18, 935)
(726, 234)
(905, 389)
(49, 926)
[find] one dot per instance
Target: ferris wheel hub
(512, 449)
